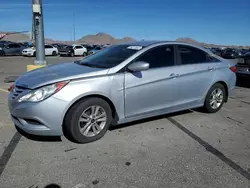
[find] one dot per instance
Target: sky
(225, 22)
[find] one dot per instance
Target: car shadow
(243, 82)
(112, 128)
(39, 138)
(125, 125)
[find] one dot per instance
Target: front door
(78, 50)
(155, 89)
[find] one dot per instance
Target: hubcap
(216, 98)
(92, 121)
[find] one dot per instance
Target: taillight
(233, 68)
(11, 87)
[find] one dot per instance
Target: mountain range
(103, 38)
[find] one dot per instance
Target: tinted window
(11, 45)
(159, 57)
(17, 46)
(48, 46)
(78, 47)
(191, 55)
(110, 57)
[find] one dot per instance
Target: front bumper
(44, 118)
(27, 53)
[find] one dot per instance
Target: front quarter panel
(110, 87)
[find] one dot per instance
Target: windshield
(110, 57)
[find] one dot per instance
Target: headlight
(42, 93)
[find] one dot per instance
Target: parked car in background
(231, 53)
(74, 50)
(119, 84)
(243, 67)
(58, 45)
(217, 51)
(79, 50)
(11, 49)
(88, 47)
(67, 50)
(95, 50)
(49, 50)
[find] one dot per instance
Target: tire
(72, 54)
(84, 54)
(34, 54)
(54, 53)
(72, 126)
(213, 107)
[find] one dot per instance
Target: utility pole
(74, 29)
(39, 32)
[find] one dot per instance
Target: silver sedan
(120, 84)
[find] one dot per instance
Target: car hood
(56, 73)
(29, 49)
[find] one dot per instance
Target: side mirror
(138, 66)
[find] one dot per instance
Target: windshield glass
(111, 56)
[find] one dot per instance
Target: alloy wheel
(216, 98)
(92, 121)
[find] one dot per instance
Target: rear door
(48, 49)
(196, 74)
(10, 49)
(18, 49)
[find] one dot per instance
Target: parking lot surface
(186, 149)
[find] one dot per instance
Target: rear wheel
(54, 53)
(84, 54)
(215, 98)
(88, 120)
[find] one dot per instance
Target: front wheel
(215, 98)
(84, 54)
(88, 120)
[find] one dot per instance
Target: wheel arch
(224, 85)
(111, 104)
(226, 88)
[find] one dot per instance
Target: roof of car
(149, 43)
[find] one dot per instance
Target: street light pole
(39, 32)
(74, 29)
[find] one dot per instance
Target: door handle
(173, 75)
(211, 68)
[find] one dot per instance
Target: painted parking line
(4, 90)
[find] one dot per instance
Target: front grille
(16, 91)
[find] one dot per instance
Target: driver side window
(158, 57)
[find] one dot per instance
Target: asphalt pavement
(190, 149)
